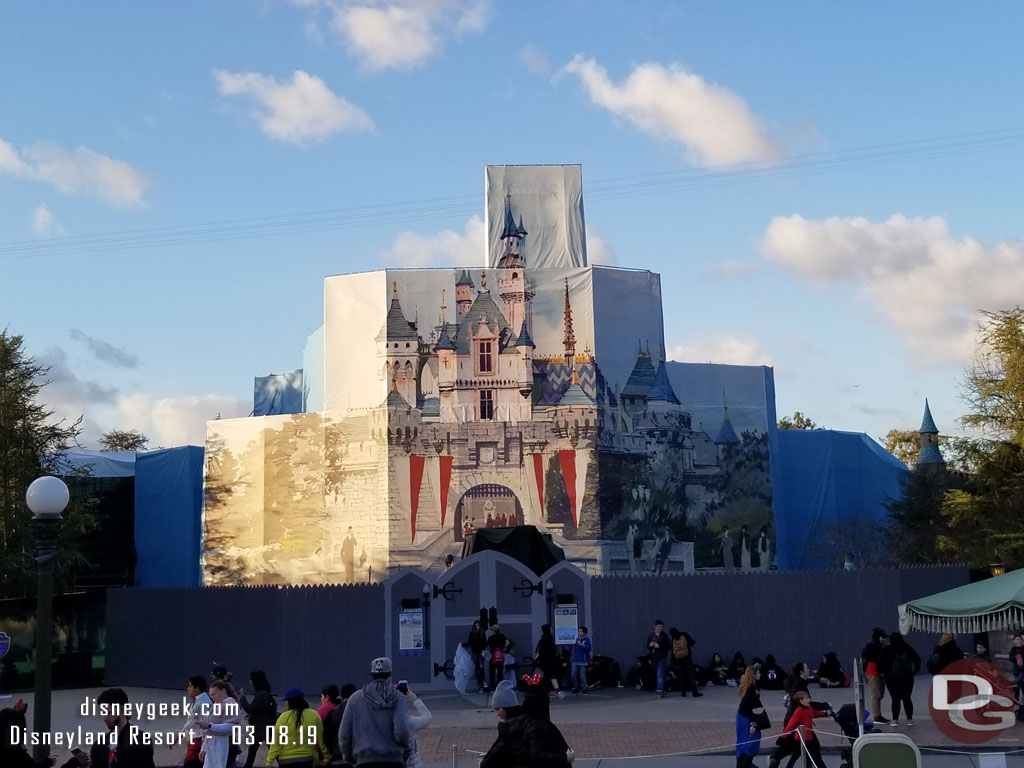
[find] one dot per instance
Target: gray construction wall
(309, 636)
(794, 615)
(301, 636)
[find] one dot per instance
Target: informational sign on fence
(567, 621)
(410, 629)
(5, 644)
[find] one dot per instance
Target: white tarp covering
(549, 198)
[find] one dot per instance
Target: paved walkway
(608, 723)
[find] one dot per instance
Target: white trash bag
(464, 669)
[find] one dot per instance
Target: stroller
(846, 719)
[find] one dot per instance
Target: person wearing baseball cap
(299, 722)
(375, 727)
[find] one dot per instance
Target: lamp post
(46, 497)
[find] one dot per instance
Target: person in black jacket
(773, 677)
(899, 663)
(261, 712)
(659, 646)
(736, 669)
(477, 644)
(944, 654)
(548, 660)
(332, 725)
(830, 672)
(751, 719)
(125, 754)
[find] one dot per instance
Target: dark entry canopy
(525, 543)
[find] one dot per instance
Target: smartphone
(403, 687)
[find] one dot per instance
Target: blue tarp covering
(278, 393)
(168, 517)
(826, 477)
(99, 463)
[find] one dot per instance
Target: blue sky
(830, 189)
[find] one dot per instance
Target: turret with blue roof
(661, 390)
(726, 435)
(929, 435)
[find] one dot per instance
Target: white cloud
(600, 251)
(106, 352)
(172, 421)
(400, 34)
(923, 281)
(301, 110)
(80, 171)
(731, 268)
(445, 249)
(43, 223)
(166, 421)
(533, 58)
(712, 124)
(728, 350)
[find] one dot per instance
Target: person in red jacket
(789, 742)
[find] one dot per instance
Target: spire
(661, 389)
(510, 229)
(443, 307)
(444, 341)
(929, 436)
(928, 423)
(524, 340)
(394, 289)
(521, 229)
(574, 394)
(483, 279)
(465, 279)
(726, 434)
(570, 338)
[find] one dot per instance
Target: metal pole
(455, 756)
(44, 654)
(858, 696)
(803, 746)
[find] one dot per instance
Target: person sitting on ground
(773, 677)
(717, 670)
(830, 672)
(944, 654)
(736, 669)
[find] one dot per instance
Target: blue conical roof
(930, 454)
(444, 341)
(510, 229)
(726, 434)
(575, 395)
(641, 378)
(661, 389)
(928, 423)
(524, 340)
(521, 231)
(465, 279)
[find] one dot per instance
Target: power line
(445, 208)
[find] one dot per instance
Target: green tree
(904, 444)
(30, 441)
(123, 440)
(798, 421)
(975, 515)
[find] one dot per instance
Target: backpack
(901, 665)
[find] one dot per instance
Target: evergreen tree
(30, 440)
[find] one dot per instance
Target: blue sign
(5, 644)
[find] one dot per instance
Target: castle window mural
(544, 398)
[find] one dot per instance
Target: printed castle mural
(516, 404)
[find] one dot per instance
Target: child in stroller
(846, 719)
